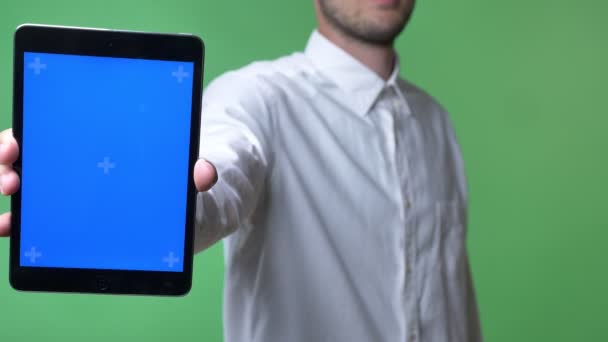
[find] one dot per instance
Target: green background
(525, 82)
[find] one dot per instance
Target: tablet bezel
(106, 43)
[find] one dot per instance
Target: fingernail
(2, 184)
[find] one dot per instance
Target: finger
(9, 149)
(6, 135)
(205, 175)
(9, 180)
(5, 224)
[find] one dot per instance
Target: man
(339, 188)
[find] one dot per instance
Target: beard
(356, 25)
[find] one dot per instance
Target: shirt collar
(348, 74)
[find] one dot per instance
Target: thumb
(205, 175)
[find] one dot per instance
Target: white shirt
(343, 201)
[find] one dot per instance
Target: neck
(379, 58)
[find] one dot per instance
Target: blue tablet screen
(104, 162)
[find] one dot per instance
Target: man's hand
(9, 180)
(204, 174)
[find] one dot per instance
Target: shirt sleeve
(235, 135)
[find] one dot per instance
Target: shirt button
(407, 204)
(413, 337)
(408, 268)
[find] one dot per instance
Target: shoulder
(424, 105)
(257, 81)
(420, 98)
(429, 110)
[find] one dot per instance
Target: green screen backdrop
(525, 82)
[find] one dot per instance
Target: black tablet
(108, 125)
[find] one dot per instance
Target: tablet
(108, 127)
